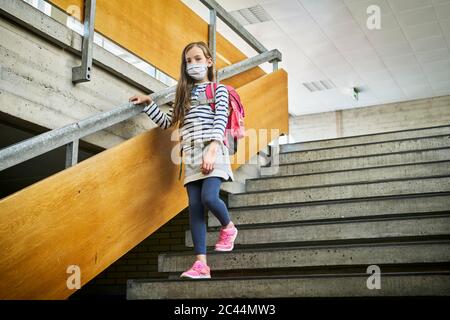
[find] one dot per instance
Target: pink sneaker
(198, 271)
(226, 239)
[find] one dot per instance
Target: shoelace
(197, 267)
(224, 236)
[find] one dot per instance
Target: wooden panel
(88, 215)
(266, 115)
(93, 213)
(158, 30)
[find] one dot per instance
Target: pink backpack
(234, 129)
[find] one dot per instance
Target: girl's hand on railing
(138, 99)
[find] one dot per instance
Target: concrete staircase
(312, 225)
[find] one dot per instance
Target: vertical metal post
(83, 73)
(275, 65)
(212, 35)
(72, 153)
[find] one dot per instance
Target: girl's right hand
(138, 99)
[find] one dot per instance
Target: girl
(206, 157)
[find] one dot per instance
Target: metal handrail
(230, 21)
(70, 134)
(247, 64)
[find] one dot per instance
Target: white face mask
(197, 70)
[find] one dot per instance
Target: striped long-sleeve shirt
(201, 122)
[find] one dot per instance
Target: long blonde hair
(186, 83)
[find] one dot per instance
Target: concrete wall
(36, 78)
(387, 117)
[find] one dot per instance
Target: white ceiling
(407, 59)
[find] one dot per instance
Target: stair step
(426, 143)
(336, 210)
(364, 139)
(350, 285)
(342, 191)
(370, 161)
(430, 169)
(314, 256)
(415, 226)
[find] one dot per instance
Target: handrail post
(72, 153)
(83, 73)
(212, 33)
(274, 65)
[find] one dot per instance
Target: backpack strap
(211, 94)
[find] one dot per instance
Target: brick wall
(139, 263)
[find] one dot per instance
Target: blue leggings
(204, 193)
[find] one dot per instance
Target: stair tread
(388, 187)
(443, 135)
(389, 166)
(321, 275)
(318, 256)
(318, 246)
(340, 201)
(324, 285)
(363, 156)
(372, 161)
(347, 184)
(337, 210)
(372, 134)
(432, 225)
